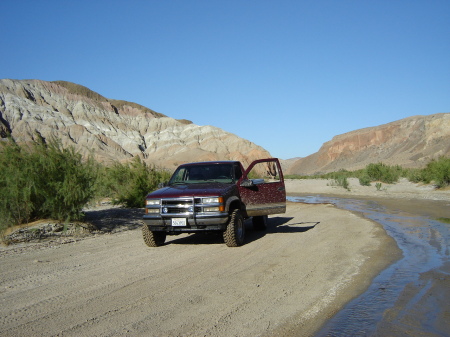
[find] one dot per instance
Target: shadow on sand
(115, 219)
(119, 219)
(275, 225)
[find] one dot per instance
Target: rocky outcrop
(111, 129)
(409, 142)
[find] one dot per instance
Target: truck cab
(215, 196)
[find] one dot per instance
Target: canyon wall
(409, 142)
(111, 130)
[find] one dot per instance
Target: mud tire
(259, 223)
(234, 235)
(153, 239)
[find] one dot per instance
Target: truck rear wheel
(153, 239)
(259, 222)
(234, 235)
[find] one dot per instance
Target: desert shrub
(364, 180)
(438, 171)
(297, 176)
(416, 175)
(336, 175)
(253, 174)
(64, 183)
(43, 180)
(342, 181)
(15, 187)
(385, 173)
(129, 183)
(339, 180)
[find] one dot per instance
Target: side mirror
(247, 183)
(163, 184)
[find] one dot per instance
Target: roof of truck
(212, 162)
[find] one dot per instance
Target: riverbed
(412, 296)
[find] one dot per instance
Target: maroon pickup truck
(215, 196)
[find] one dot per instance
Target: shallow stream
(424, 241)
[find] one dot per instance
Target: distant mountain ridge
(119, 130)
(111, 129)
(409, 142)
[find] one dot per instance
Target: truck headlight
(152, 202)
(213, 200)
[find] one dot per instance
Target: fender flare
(230, 200)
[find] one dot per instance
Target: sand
(311, 261)
(403, 189)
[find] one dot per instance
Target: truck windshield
(193, 174)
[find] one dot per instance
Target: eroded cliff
(111, 129)
(409, 142)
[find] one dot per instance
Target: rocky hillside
(409, 142)
(111, 129)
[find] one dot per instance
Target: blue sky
(286, 75)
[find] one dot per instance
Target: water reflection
(424, 243)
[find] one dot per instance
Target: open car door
(262, 188)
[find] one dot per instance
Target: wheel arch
(233, 203)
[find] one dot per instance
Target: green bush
(129, 183)
(439, 172)
(296, 176)
(364, 180)
(339, 179)
(43, 180)
(384, 173)
(16, 188)
(342, 181)
(65, 183)
(46, 180)
(416, 175)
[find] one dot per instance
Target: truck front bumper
(197, 223)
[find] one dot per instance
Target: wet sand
(422, 306)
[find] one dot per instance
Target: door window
(264, 172)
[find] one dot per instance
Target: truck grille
(180, 206)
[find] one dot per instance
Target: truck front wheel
(235, 233)
(153, 239)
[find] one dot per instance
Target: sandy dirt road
(309, 263)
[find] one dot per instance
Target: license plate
(179, 222)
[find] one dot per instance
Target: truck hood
(190, 190)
